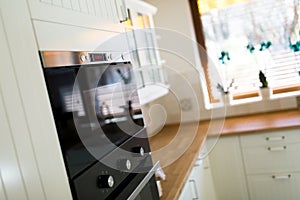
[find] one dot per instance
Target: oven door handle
(142, 184)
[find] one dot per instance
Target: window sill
(256, 96)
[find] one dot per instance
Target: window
(244, 37)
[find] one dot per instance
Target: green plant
(263, 80)
(224, 56)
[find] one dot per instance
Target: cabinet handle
(281, 177)
(277, 148)
(198, 162)
(276, 138)
(122, 11)
(195, 188)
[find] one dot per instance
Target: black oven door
(94, 106)
(142, 187)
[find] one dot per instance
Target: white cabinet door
(227, 169)
(60, 37)
(31, 162)
(101, 14)
(204, 181)
(274, 186)
(142, 34)
(270, 138)
(272, 165)
(10, 173)
(19, 175)
(272, 158)
(199, 184)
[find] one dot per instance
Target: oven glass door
(142, 187)
(95, 107)
(149, 192)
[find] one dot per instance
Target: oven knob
(105, 181)
(138, 150)
(110, 57)
(83, 58)
(124, 164)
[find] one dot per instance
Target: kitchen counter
(178, 171)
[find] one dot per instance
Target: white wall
(175, 30)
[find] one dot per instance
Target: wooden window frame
(198, 27)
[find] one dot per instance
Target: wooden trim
(277, 90)
(198, 27)
(285, 89)
(245, 95)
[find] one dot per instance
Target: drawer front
(268, 138)
(272, 158)
(274, 186)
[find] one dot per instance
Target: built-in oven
(100, 125)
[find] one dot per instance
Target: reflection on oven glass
(116, 103)
(72, 101)
(96, 108)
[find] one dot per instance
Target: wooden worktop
(189, 138)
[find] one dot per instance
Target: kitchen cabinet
(8, 157)
(143, 47)
(272, 165)
(228, 170)
(199, 184)
(269, 186)
(204, 181)
(100, 14)
(85, 25)
(262, 166)
(28, 136)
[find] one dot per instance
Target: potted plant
(265, 91)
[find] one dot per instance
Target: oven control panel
(98, 57)
(69, 58)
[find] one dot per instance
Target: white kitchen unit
(262, 166)
(99, 14)
(79, 25)
(272, 164)
(199, 184)
(148, 65)
(228, 170)
(31, 163)
(11, 173)
(274, 187)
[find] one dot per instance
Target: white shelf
(150, 93)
